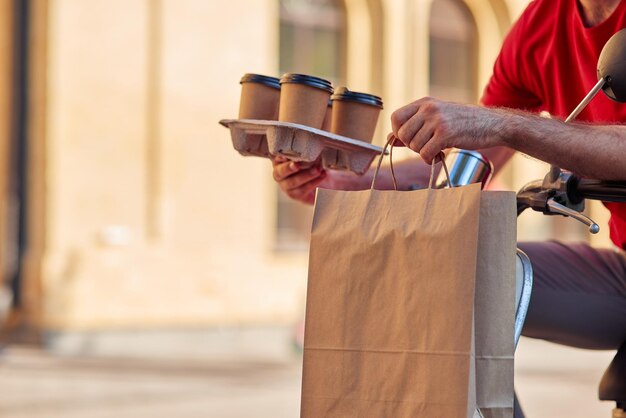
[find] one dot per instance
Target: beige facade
(142, 214)
(6, 75)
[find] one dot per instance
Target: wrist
(342, 180)
(351, 181)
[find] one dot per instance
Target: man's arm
(299, 180)
(428, 126)
(593, 151)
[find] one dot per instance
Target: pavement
(552, 382)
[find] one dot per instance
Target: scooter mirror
(612, 67)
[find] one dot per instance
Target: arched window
(453, 46)
(312, 38)
(312, 41)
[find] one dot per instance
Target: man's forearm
(588, 150)
(428, 126)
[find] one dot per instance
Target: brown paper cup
(355, 115)
(260, 96)
(304, 99)
(328, 117)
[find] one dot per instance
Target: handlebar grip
(605, 190)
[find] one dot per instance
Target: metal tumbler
(465, 167)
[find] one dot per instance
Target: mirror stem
(554, 170)
(588, 98)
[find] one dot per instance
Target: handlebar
(605, 190)
(566, 194)
(575, 189)
(559, 193)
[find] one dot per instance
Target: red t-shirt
(548, 62)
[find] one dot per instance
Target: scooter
(563, 193)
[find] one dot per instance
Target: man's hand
(429, 126)
(298, 180)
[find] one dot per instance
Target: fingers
(411, 131)
(297, 179)
(278, 159)
(431, 149)
(417, 132)
(418, 126)
(421, 140)
(306, 192)
(402, 115)
(284, 169)
(300, 179)
(396, 142)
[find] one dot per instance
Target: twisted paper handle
(431, 183)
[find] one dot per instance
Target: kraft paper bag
(393, 328)
(494, 306)
(390, 303)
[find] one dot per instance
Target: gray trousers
(578, 298)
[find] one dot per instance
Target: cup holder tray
(266, 138)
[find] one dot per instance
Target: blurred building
(123, 204)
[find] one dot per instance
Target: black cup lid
(343, 93)
(261, 79)
(307, 80)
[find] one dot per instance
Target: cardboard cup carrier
(260, 96)
(293, 117)
(355, 114)
(304, 99)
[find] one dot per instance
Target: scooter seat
(613, 383)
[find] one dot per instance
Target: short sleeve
(507, 87)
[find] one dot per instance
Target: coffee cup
(355, 114)
(328, 117)
(260, 96)
(304, 99)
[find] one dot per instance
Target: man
(548, 62)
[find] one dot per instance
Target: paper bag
(390, 304)
(494, 306)
(390, 307)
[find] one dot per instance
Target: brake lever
(556, 207)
